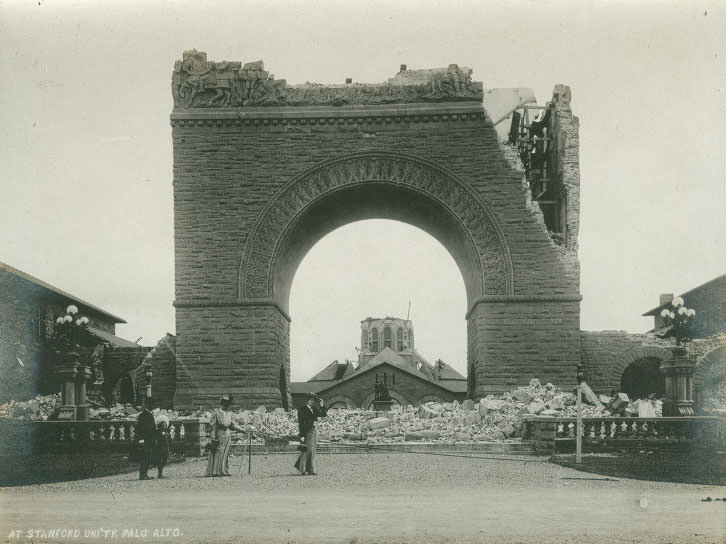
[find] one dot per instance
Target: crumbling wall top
(199, 83)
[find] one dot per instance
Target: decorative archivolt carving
(422, 175)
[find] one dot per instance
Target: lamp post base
(678, 373)
(382, 405)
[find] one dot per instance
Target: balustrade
(92, 436)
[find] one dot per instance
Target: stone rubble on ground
(493, 418)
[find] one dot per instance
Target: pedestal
(382, 405)
(68, 374)
(73, 377)
(82, 407)
(678, 373)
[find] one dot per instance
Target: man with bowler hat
(146, 435)
(306, 417)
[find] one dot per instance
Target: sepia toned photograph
(363, 272)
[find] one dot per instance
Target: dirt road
(368, 498)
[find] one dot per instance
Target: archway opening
(642, 378)
(374, 268)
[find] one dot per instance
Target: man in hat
(146, 434)
(306, 418)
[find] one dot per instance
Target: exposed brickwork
(117, 362)
(227, 167)
(162, 361)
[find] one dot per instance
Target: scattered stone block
(556, 403)
(468, 405)
(378, 423)
(522, 396)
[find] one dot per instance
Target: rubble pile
(39, 409)
(493, 418)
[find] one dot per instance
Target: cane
(249, 450)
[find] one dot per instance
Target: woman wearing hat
(220, 425)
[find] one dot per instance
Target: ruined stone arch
(715, 354)
(632, 355)
(349, 404)
(366, 185)
(427, 398)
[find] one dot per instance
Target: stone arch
(395, 395)
(715, 354)
(642, 377)
(427, 398)
(349, 404)
(366, 185)
(124, 391)
(632, 355)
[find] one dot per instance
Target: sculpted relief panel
(199, 83)
(416, 173)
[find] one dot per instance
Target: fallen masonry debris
(493, 418)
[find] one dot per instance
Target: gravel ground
(373, 498)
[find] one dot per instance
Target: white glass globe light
(72, 310)
(84, 320)
(59, 320)
(682, 310)
(677, 301)
(665, 313)
(691, 312)
(67, 319)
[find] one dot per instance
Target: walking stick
(249, 451)
(239, 468)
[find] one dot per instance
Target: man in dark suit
(146, 435)
(306, 418)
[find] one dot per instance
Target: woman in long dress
(220, 425)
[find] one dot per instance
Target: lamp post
(678, 372)
(149, 373)
(578, 428)
(73, 374)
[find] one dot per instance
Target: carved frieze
(199, 83)
(439, 184)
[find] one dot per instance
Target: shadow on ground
(38, 469)
(686, 468)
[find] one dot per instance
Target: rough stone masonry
(263, 170)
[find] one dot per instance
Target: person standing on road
(306, 418)
(161, 452)
(220, 425)
(146, 434)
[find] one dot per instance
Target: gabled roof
(57, 292)
(717, 279)
(387, 355)
(390, 358)
(446, 372)
(334, 371)
(113, 339)
(308, 387)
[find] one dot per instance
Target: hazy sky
(86, 151)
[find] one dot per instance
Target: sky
(86, 150)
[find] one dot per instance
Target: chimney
(665, 298)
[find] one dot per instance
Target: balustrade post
(678, 373)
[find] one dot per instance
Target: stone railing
(41, 437)
(556, 434)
